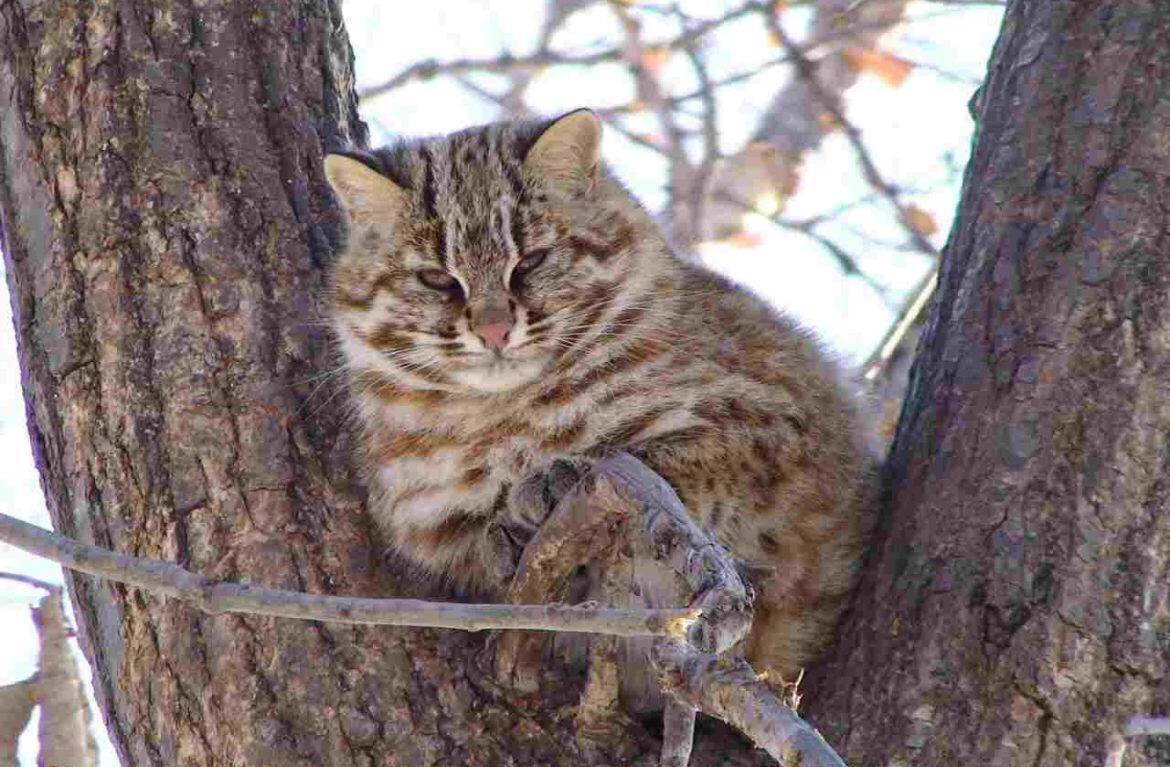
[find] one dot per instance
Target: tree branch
(541, 58)
(64, 730)
(630, 509)
(28, 580)
(730, 690)
(703, 175)
(503, 64)
(808, 227)
(806, 70)
(16, 704)
(622, 510)
(911, 310)
(216, 597)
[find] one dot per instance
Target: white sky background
(918, 134)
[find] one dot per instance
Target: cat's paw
(505, 546)
(531, 501)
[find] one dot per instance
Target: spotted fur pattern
(617, 343)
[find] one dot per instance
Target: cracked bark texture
(166, 225)
(1015, 609)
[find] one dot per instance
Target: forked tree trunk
(166, 228)
(1016, 610)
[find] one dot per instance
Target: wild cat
(503, 304)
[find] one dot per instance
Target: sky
(919, 134)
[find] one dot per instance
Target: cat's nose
(493, 324)
(495, 336)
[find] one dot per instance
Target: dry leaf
(743, 239)
(828, 122)
(652, 138)
(919, 220)
(653, 59)
(887, 67)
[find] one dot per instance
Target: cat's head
(475, 261)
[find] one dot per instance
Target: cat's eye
(437, 279)
(531, 261)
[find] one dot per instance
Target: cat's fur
(616, 343)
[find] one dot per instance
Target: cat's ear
(365, 194)
(569, 149)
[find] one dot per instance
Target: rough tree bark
(1015, 611)
(166, 226)
(165, 230)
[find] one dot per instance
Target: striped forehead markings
(430, 203)
(472, 184)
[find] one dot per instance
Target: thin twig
(426, 70)
(544, 57)
(703, 176)
(916, 303)
(216, 597)
(556, 14)
(30, 581)
(806, 69)
(429, 69)
(808, 227)
(648, 88)
(607, 116)
(1147, 725)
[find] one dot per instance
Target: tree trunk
(165, 226)
(1015, 610)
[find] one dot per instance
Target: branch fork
(622, 516)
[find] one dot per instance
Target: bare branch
(556, 13)
(728, 689)
(621, 508)
(621, 489)
(216, 597)
(540, 59)
(649, 90)
(911, 311)
(703, 176)
(806, 69)
(808, 227)
(772, 164)
(1147, 725)
(16, 705)
(29, 581)
(506, 103)
(65, 730)
(504, 64)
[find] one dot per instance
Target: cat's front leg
(528, 504)
(518, 654)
